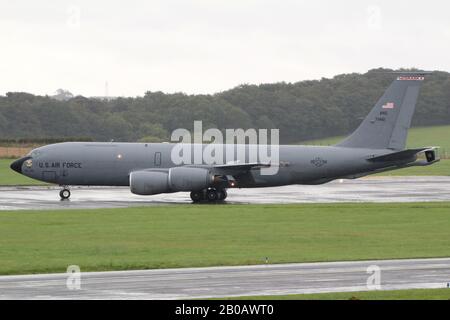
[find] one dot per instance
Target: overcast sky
(207, 46)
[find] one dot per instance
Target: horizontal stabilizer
(397, 156)
(431, 156)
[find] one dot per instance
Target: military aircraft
(377, 145)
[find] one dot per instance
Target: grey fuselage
(110, 164)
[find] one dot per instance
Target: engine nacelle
(149, 182)
(176, 179)
(189, 179)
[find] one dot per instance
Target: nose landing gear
(209, 195)
(64, 194)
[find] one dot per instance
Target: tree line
(303, 110)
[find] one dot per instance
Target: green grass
(209, 235)
(413, 294)
(10, 177)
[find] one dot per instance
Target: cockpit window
(29, 163)
(34, 153)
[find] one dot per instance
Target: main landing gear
(210, 195)
(64, 194)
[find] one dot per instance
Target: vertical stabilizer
(386, 126)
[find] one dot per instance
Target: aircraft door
(157, 160)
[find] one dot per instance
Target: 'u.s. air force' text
(64, 165)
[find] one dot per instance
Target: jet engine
(149, 182)
(174, 180)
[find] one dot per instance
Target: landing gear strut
(210, 195)
(64, 194)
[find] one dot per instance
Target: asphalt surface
(377, 189)
(231, 281)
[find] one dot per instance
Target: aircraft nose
(17, 165)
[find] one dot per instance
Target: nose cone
(17, 165)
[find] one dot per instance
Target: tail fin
(386, 126)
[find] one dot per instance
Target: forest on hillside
(303, 110)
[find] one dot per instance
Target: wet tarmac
(374, 189)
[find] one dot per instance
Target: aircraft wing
(242, 166)
(234, 174)
(235, 167)
(232, 168)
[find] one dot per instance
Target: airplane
(377, 145)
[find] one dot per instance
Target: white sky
(206, 46)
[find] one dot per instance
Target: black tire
(224, 194)
(212, 195)
(196, 196)
(64, 194)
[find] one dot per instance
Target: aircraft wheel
(224, 194)
(64, 194)
(221, 195)
(212, 195)
(196, 196)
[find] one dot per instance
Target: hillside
(302, 110)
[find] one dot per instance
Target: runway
(373, 189)
(231, 281)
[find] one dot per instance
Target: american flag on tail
(389, 105)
